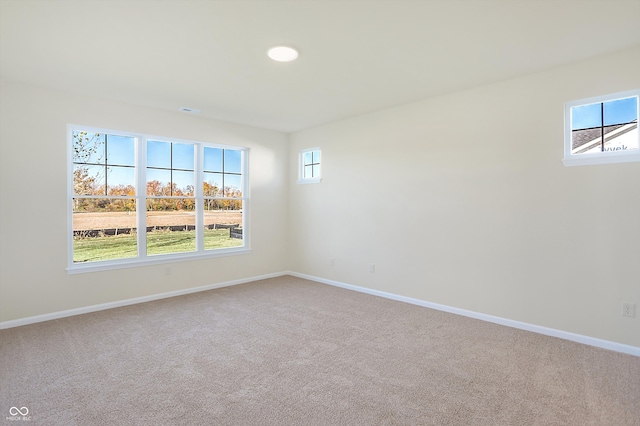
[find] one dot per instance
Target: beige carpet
(286, 351)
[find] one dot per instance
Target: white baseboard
(120, 303)
(592, 341)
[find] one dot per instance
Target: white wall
(463, 200)
(460, 200)
(33, 179)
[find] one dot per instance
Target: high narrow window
(135, 199)
(310, 166)
(602, 130)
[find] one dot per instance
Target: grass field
(158, 242)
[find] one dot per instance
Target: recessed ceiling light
(283, 53)
(191, 110)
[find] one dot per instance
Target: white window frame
(606, 157)
(140, 178)
(301, 164)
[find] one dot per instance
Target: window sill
(81, 268)
(606, 158)
(306, 181)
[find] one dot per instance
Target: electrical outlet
(628, 310)
(372, 267)
(167, 270)
(332, 262)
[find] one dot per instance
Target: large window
(602, 130)
(137, 199)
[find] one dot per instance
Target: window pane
(232, 210)
(213, 179)
(310, 164)
(232, 161)
(183, 183)
(620, 111)
(621, 137)
(158, 154)
(620, 128)
(212, 185)
(586, 116)
(232, 185)
(621, 124)
(120, 150)
(212, 159)
(183, 156)
(223, 224)
(170, 225)
(308, 158)
(88, 180)
(158, 182)
(121, 180)
(104, 229)
(88, 147)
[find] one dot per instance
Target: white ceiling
(355, 56)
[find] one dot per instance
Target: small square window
(310, 166)
(602, 130)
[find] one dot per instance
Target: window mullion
(141, 195)
(106, 164)
(70, 195)
(198, 193)
(602, 126)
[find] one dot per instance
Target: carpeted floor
(287, 351)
